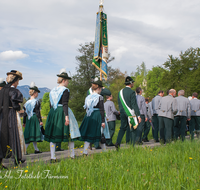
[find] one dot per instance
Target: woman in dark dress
(94, 121)
(32, 119)
(61, 125)
(10, 99)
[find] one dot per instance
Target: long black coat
(9, 135)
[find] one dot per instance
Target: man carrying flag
(129, 112)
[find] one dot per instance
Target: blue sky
(39, 38)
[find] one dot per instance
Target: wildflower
(101, 152)
(8, 146)
(190, 158)
(0, 183)
(151, 150)
(81, 151)
(26, 166)
(6, 186)
(127, 170)
(81, 145)
(26, 171)
(57, 147)
(10, 150)
(52, 145)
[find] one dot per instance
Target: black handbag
(103, 139)
(118, 117)
(42, 130)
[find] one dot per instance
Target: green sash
(132, 119)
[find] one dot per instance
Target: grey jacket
(149, 116)
(155, 104)
(110, 110)
(141, 105)
(195, 107)
(168, 107)
(183, 107)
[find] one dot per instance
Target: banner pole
(100, 72)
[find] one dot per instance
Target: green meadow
(171, 166)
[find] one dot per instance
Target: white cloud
(12, 55)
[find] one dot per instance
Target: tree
(81, 81)
(45, 105)
(183, 72)
(154, 77)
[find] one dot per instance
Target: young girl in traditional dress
(32, 120)
(94, 122)
(61, 125)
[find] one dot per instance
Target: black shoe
(145, 140)
(98, 147)
(117, 146)
(53, 161)
(157, 141)
(3, 167)
(37, 152)
(27, 153)
(59, 149)
(84, 155)
(17, 162)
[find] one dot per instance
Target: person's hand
(23, 125)
(66, 120)
(188, 119)
(119, 112)
(146, 119)
(139, 119)
(41, 123)
(103, 125)
(150, 121)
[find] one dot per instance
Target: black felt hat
(33, 87)
(63, 74)
(129, 80)
(97, 81)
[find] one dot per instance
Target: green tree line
(181, 72)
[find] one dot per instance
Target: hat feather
(1, 80)
(32, 84)
(63, 70)
(96, 79)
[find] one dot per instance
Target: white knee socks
(35, 146)
(53, 149)
(103, 147)
(86, 145)
(71, 149)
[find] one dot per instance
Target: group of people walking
(98, 125)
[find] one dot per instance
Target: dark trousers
(140, 129)
(179, 127)
(165, 125)
(111, 126)
(155, 121)
(194, 124)
(147, 126)
(130, 133)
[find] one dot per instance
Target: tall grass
(174, 166)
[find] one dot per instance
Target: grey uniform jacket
(155, 104)
(168, 107)
(141, 105)
(195, 107)
(110, 110)
(149, 116)
(183, 107)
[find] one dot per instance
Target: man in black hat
(127, 101)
